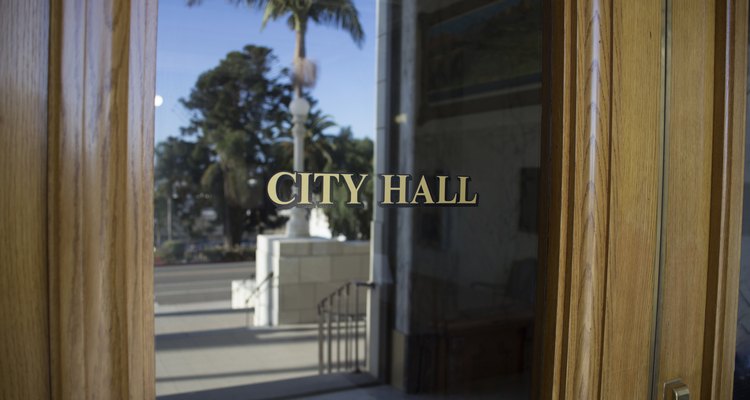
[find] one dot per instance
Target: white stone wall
(304, 272)
(265, 298)
(319, 225)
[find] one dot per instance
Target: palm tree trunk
(233, 225)
(300, 53)
(300, 50)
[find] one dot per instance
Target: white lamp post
(298, 226)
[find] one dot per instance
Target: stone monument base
(293, 275)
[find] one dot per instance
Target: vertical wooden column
(577, 106)
(687, 190)
(576, 113)
(102, 63)
(636, 162)
(645, 104)
(730, 99)
(24, 33)
(603, 98)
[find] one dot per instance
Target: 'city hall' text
(397, 190)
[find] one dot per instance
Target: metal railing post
(364, 341)
(347, 364)
(330, 334)
(327, 311)
(338, 330)
(320, 337)
(356, 328)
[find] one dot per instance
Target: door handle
(676, 390)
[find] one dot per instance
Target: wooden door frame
(578, 104)
(24, 337)
(100, 198)
(100, 165)
(726, 198)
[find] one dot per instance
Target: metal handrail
(257, 288)
(330, 309)
(252, 295)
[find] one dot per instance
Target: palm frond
(211, 175)
(341, 14)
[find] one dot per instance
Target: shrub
(171, 252)
(221, 254)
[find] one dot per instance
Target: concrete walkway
(212, 348)
(205, 350)
(201, 343)
(319, 386)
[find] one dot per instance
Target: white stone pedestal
(305, 270)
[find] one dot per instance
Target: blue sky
(192, 40)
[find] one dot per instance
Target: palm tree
(318, 148)
(337, 13)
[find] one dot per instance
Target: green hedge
(171, 252)
(220, 254)
(175, 252)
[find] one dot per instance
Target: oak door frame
(24, 314)
(100, 198)
(730, 99)
(577, 116)
(578, 103)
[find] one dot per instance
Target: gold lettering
(354, 190)
(388, 188)
(304, 189)
(463, 183)
(326, 186)
(272, 188)
(442, 188)
(424, 191)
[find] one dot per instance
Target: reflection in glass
(742, 358)
(470, 75)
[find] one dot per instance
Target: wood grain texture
(726, 202)
(24, 32)
(634, 199)
(551, 304)
(591, 169)
(576, 162)
(67, 56)
(687, 190)
(100, 183)
(620, 120)
(603, 161)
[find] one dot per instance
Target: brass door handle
(676, 390)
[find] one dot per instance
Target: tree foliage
(351, 155)
(238, 112)
(340, 14)
(179, 167)
(238, 135)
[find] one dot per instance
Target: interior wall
(453, 266)
(474, 250)
(24, 340)
(459, 260)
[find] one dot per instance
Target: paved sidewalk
(202, 344)
(205, 350)
(208, 346)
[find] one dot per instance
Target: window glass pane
(468, 104)
(256, 298)
(742, 358)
